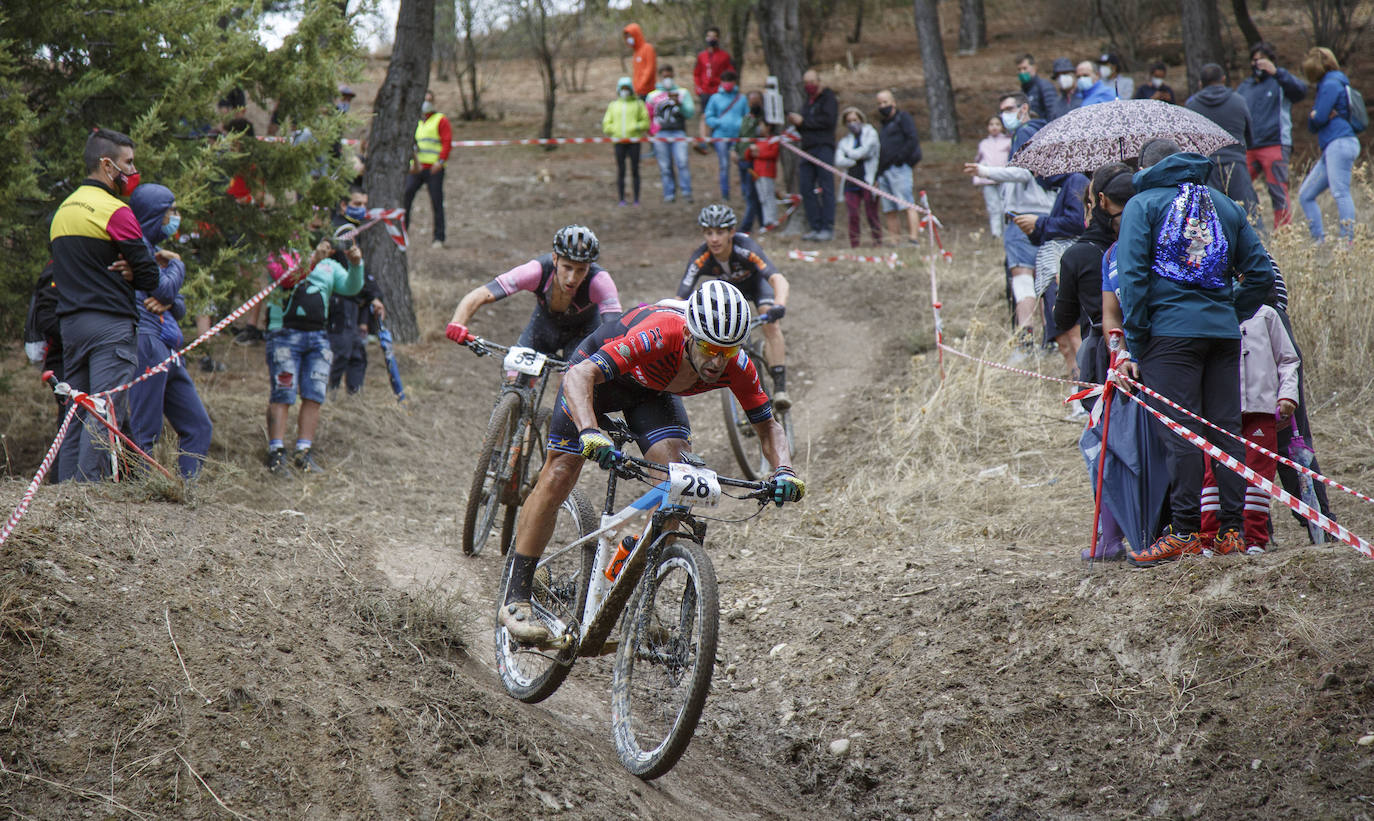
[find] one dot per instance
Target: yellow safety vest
(427, 140)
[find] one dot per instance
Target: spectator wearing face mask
(897, 160)
(626, 121)
(816, 123)
(670, 107)
(707, 75)
(857, 155)
(645, 60)
(1270, 92)
(724, 113)
(1044, 102)
(352, 318)
(1092, 89)
(1156, 89)
(434, 141)
(1065, 85)
(1109, 69)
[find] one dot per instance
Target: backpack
(1191, 247)
(1359, 114)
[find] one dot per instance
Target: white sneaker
(438, 243)
(1254, 550)
(519, 620)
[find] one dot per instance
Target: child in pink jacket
(994, 149)
(1269, 395)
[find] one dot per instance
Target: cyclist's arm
(693, 272)
(578, 383)
(773, 439)
(780, 288)
(603, 292)
(475, 299)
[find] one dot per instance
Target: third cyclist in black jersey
(736, 258)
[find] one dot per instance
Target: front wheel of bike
(489, 476)
(536, 446)
(744, 441)
(665, 659)
(558, 594)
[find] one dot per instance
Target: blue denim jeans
(753, 210)
(1331, 171)
(725, 157)
(298, 361)
(670, 154)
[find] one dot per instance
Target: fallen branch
(167, 616)
(89, 795)
(195, 774)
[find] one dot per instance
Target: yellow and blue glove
(786, 486)
(597, 448)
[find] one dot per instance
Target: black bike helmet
(717, 216)
(577, 243)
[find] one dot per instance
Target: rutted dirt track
(320, 649)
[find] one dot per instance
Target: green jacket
(748, 128)
(306, 307)
(626, 119)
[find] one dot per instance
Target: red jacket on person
(764, 153)
(711, 63)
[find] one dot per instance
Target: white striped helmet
(718, 313)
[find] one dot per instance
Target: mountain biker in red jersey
(574, 294)
(641, 365)
(738, 259)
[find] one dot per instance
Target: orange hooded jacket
(646, 60)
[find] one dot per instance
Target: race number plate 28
(525, 360)
(688, 485)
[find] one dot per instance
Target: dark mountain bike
(744, 440)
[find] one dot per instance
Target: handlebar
(632, 467)
(484, 347)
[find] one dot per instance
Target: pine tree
(154, 70)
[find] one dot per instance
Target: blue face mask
(170, 229)
(356, 212)
(1085, 83)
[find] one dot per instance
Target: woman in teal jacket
(1330, 121)
(626, 120)
(724, 112)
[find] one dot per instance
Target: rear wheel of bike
(489, 477)
(744, 441)
(557, 593)
(538, 445)
(664, 663)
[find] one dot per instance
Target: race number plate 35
(688, 485)
(525, 360)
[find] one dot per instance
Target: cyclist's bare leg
(540, 511)
(774, 350)
(668, 450)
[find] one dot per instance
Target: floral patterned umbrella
(1089, 137)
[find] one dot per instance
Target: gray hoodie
(1227, 109)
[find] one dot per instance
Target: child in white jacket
(857, 155)
(1269, 395)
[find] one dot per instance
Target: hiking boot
(248, 336)
(1167, 548)
(211, 365)
(1228, 542)
(1114, 552)
(809, 236)
(519, 620)
(781, 401)
(1254, 550)
(824, 236)
(306, 463)
(276, 463)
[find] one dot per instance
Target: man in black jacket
(1229, 110)
(1044, 101)
(816, 124)
(899, 150)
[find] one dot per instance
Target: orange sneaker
(1167, 548)
(1228, 542)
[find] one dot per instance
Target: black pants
(350, 360)
(624, 152)
(434, 180)
(1202, 375)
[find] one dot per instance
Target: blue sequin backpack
(1191, 246)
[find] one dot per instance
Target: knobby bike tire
(744, 442)
(484, 496)
(530, 464)
(667, 652)
(560, 585)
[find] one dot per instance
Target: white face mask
(426, 107)
(630, 41)
(1085, 83)
(1066, 81)
(1010, 121)
(1156, 81)
(625, 92)
(1105, 71)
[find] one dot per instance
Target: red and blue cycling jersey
(646, 348)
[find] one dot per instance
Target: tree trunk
(396, 110)
(537, 24)
(740, 15)
(939, 92)
(473, 107)
(857, 32)
(1246, 23)
(445, 39)
(780, 33)
(973, 26)
(1201, 38)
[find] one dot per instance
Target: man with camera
(351, 318)
(298, 354)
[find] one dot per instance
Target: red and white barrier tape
(793, 201)
(1298, 505)
(1021, 371)
(901, 203)
(43, 469)
(561, 141)
(1306, 471)
(891, 260)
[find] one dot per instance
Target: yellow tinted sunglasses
(710, 351)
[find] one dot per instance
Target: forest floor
(324, 649)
